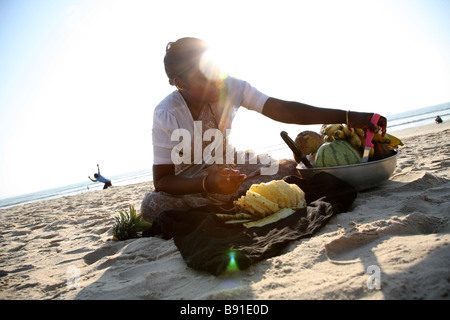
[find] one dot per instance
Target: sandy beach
(394, 243)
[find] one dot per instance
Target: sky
(79, 79)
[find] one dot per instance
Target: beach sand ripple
(394, 243)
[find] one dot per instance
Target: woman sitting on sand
(194, 165)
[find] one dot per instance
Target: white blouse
(173, 113)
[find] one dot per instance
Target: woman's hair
(182, 56)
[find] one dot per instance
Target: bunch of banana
(356, 137)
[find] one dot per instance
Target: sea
(123, 179)
(396, 122)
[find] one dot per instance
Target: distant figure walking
(438, 120)
(99, 178)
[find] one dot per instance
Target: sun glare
(213, 65)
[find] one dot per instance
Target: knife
(369, 137)
(295, 149)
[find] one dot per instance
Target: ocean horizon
(396, 122)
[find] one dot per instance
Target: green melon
(336, 153)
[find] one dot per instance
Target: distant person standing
(438, 120)
(99, 178)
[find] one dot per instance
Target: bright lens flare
(212, 66)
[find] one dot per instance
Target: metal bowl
(362, 176)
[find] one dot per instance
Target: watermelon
(336, 153)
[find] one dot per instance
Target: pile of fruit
(337, 144)
(265, 203)
(265, 199)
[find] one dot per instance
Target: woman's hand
(362, 120)
(224, 181)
